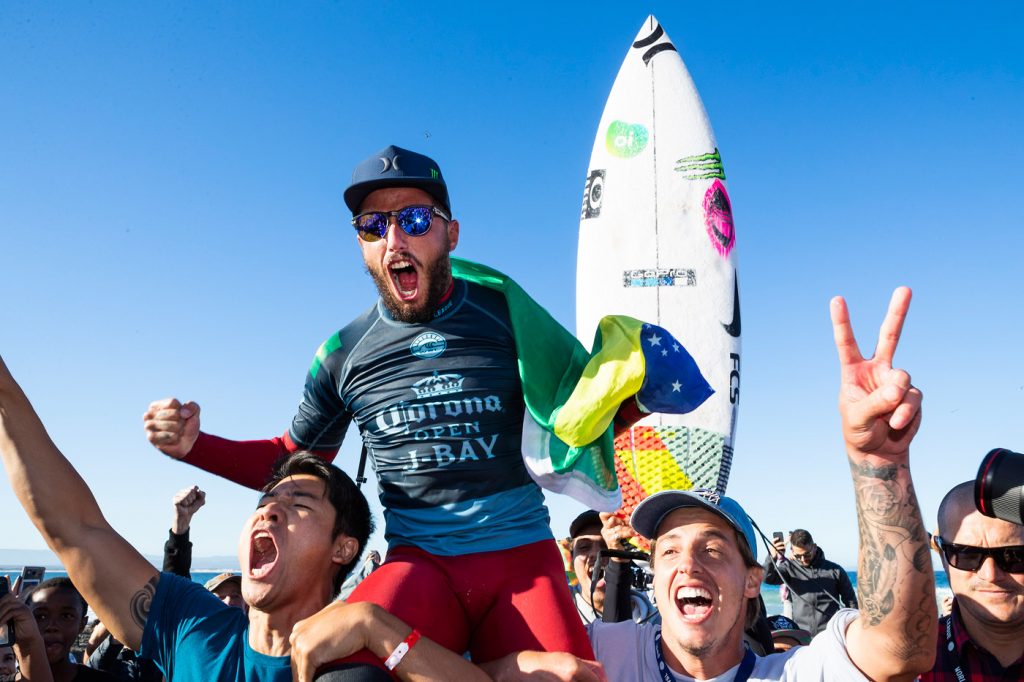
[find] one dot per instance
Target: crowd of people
(432, 376)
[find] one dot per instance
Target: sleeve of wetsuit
(629, 413)
(319, 426)
(617, 604)
(178, 554)
(323, 416)
(248, 462)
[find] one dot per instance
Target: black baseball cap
(397, 167)
(587, 519)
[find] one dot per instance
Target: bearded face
(412, 273)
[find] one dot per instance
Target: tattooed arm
(112, 576)
(894, 638)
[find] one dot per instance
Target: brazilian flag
(572, 396)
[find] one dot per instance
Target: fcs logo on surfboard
(428, 345)
(626, 140)
(593, 193)
(734, 378)
(718, 217)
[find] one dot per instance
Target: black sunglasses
(970, 558)
(414, 220)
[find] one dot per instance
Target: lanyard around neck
(746, 665)
(960, 671)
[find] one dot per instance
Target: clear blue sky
(171, 219)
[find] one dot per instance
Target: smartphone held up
(6, 629)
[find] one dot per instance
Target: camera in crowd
(999, 487)
(640, 576)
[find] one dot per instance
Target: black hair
(352, 512)
(59, 583)
(800, 538)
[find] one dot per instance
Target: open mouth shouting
(405, 278)
(262, 554)
(694, 603)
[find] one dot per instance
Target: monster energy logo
(702, 166)
(433, 173)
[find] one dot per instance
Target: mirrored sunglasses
(415, 221)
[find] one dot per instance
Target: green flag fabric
(551, 364)
(572, 396)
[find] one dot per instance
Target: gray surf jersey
(440, 409)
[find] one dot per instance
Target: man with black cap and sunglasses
(590, 534)
(430, 375)
(707, 578)
(983, 638)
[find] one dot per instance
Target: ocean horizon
(770, 593)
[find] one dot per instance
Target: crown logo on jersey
(438, 384)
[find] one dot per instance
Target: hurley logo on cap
(389, 163)
(711, 496)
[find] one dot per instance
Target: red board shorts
(489, 604)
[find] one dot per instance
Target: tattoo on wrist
(893, 554)
(141, 601)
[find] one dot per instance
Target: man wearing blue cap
(430, 375)
(707, 578)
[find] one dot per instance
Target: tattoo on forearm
(892, 548)
(141, 601)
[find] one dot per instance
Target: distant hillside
(14, 559)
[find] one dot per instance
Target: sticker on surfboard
(658, 242)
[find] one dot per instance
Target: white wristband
(392, 661)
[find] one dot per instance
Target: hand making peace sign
(880, 409)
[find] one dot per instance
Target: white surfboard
(657, 243)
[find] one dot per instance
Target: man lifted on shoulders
(431, 376)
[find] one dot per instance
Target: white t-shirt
(627, 652)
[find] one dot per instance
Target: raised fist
(171, 426)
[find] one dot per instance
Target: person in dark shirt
(982, 639)
(112, 657)
(178, 547)
(27, 658)
(818, 587)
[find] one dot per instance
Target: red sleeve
(629, 413)
(246, 462)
